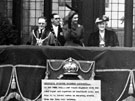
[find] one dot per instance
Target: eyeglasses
(57, 18)
(41, 23)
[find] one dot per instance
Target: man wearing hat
(103, 37)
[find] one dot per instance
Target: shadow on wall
(3, 7)
(8, 34)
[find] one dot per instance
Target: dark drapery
(128, 28)
(17, 18)
(115, 68)
(91, 9)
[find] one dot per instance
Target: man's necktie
(40, 33)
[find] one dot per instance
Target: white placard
(71, 90)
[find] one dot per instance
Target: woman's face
(101, 26)
(75, 19)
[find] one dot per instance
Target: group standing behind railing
(68, 32)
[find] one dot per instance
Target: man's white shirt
(55, 28)
(102, 38)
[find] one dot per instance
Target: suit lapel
(106, 36)
(36, 32)
(59, 30)
(44, 33)
(52, 30)
(97, 38)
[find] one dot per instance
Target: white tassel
(130, 91)
(131, 88)
(46, 77)
(13, 83)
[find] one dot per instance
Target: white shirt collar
(102, 38)
(55, 28)
(39, 30)
(102, 34)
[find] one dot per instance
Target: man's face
(56, 20)
(42, 23)
(75, 19)
(101, 26)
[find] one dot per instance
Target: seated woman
(73, 31)
(103, 37)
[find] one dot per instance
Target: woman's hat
(70, 14)
(103, 18)
(66, 18)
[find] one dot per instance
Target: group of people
(68, 32)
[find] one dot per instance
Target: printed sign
(71, 90)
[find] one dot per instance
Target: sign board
(71, 90)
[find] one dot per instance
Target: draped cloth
(23, 67)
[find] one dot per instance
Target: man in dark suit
(56, 28)
(103, 37)
(41, 35)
